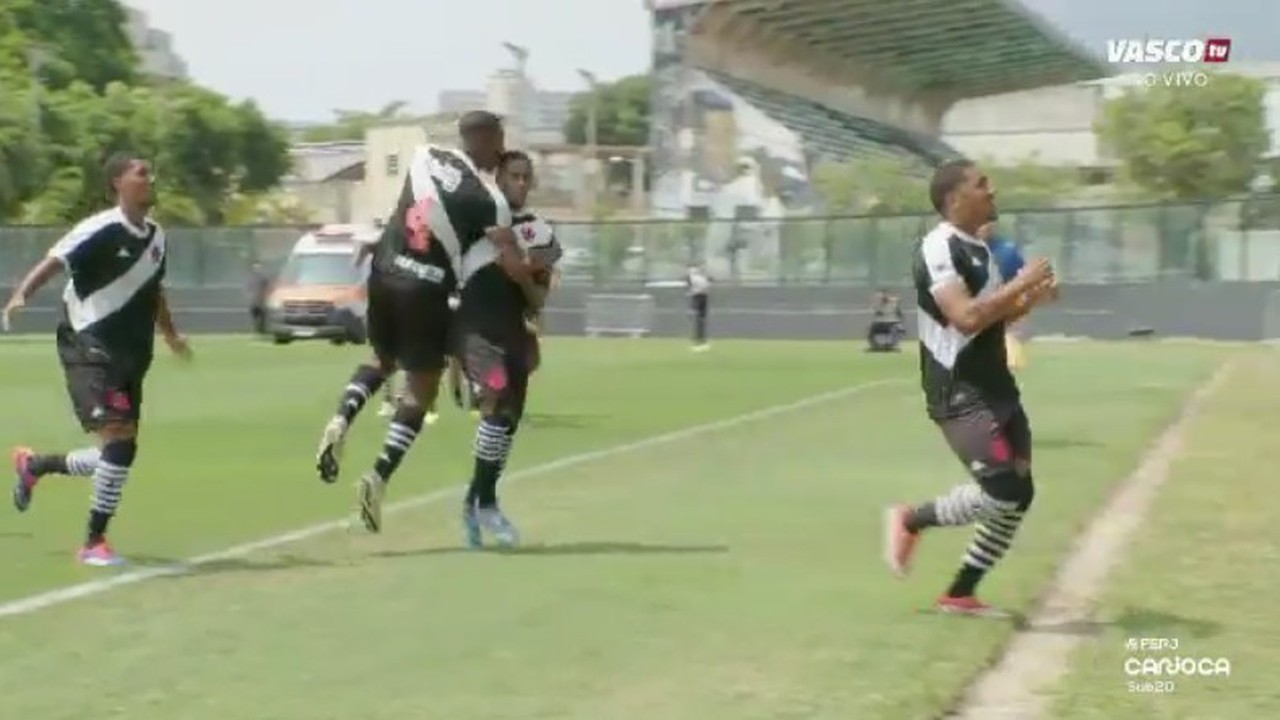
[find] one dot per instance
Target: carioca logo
(1177, 666)
(1214, 50)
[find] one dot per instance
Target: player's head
(482, 138)
(515, 177)
(129, 180)
(963, 194)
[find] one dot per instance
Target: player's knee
(1029, 493)
(423, 387)
(410, 415)
(118, 430)
(120, 452)
(1007, 488)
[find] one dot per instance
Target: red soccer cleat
(899, 542)
(968, 605)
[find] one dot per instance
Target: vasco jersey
(114, 271)
(958, 372)
(445, 206)
(493, 305)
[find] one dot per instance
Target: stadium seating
(832, 136)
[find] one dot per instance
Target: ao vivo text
(1211, 50)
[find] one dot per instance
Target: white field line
(1039, 655)
(41, 601)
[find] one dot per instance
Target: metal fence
(1232, 241)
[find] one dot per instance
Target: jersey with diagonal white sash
(114, 271)
(445, 207)
(492, 304)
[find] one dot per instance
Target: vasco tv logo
(1142, 52)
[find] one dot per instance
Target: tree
(622, 113)
(875, 186)
(84, 40)
(1189, 143)
(1028, 185)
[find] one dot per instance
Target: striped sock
(364, 383)
(80, 462)
(109, 477)
(404, 429)
(991, 541)
(964, 505)
(494, 437)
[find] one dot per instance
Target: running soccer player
(495, 345)
(448, 204)
(113, 303)
(963, 307)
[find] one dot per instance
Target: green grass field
(702, 541)
(1202, 575)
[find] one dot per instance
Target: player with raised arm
(970, 393)
(495, 347)
(112, 306)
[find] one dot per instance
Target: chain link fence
(1226, 241)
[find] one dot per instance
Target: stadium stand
(921, 54)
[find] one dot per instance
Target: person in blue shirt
(1010, 261)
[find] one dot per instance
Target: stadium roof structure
(961, 48)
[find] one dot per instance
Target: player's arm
(543, 263)
(168, 328)
(1046, 292)
(511, 259)
(968, 314)
(164, 315)
(66, 251)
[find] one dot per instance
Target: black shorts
(103, 388)
(498, 370)
(990, 439)
(409, 323)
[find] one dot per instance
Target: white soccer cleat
(504, 531)
(329, 455)
(369, 493)
(432, 417)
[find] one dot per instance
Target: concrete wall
(1224, 311)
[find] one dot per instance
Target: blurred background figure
(699, 285)
(259, 288)
(886, 330)
(1009, 259)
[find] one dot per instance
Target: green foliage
(622, 113)
(1028, 184)
(874, 186)
(87, 103)
(271, 208)
(84, 40)
(1189, 143)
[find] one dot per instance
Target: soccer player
(113, 303)
(496, 351)
(448, 204)
(963, 307)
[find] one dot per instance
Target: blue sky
(302, 58)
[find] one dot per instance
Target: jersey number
(416, 225)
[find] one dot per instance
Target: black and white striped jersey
(494, 305)
(446, 205)
(114, 271)
(958, 371)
